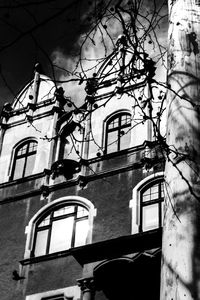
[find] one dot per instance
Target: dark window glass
(24, 160)
(151, 213)
(60, 229)
(118, 133)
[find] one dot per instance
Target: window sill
(22, 180)
(106, 249)
(33, 260)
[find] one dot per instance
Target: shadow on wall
(125, 278)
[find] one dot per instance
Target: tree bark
(180, 270)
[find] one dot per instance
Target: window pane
(154, 189)
(125, 138)
(154, 192)
(22, 150)
(81, 232)
(41, 242)
(19, 167)
(61, 234)
(146, 197)
(150, 217)
(111, 125)
(125, 119)
(63, 211)
(30, 165)
(151, 193)
(32, 147)
(82, 212)
(112, 141)
(44, 222)
(114, 123)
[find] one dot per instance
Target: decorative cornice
(61, 185)
(38, 105)
(82, 180)
(36, 117)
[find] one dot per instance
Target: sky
(42, 31)
(31, 31)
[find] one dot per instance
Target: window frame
(25, 155)
(117, 115)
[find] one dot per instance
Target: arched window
(24, 159)
(61, 224)
(151, 206)
(118, 132)
(147, 203)
(61, 228)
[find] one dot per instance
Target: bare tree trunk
(180, 272)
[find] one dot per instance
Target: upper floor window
(151, 206)
(118, 132)
(147, 203)
(24, 159)
(60, 228)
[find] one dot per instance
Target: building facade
(81, 189)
